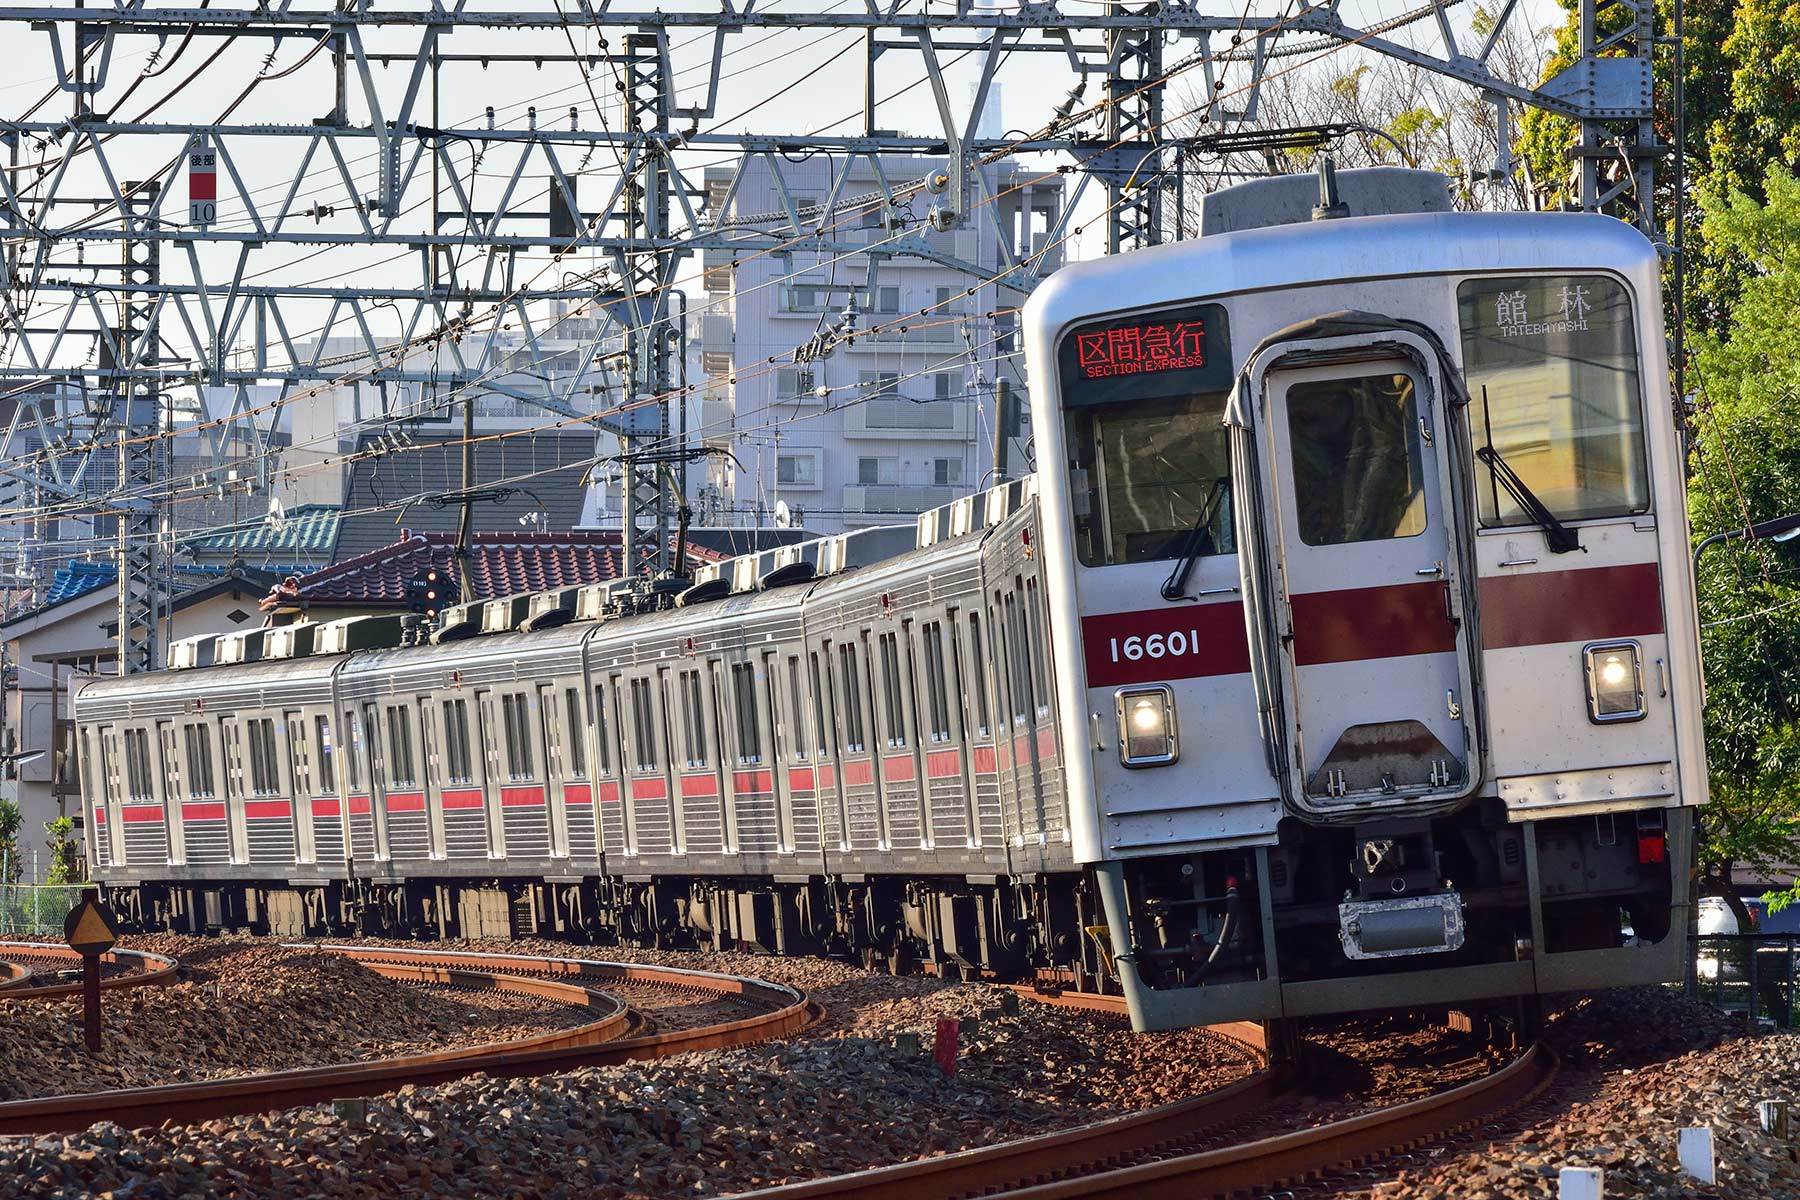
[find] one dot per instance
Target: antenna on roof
(1330, 206)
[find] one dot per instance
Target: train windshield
(1551, 367)
(1149, 463)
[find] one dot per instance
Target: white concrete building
(900, 420)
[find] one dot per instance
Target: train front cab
(1380, 601)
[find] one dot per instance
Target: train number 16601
(1155, 645)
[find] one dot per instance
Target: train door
(662, 741)
(237, 787)
(775, 753)
(431, 776)
(974, 673)
(801, 789)
(752, 804)
(552, 743)
(327, 805)
(1053, 805)
(944, 746)
(405, 814)
(168, 782)
(462, 796)
(381, 781)
(899, 769)
(579, 819)
(524, 823)
(610, 771)
(833, 827)
(492, 773)
(701, 781)
(300, 771)
(647, 786)
(1375, 676)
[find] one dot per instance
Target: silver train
(1342, 655)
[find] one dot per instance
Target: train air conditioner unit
(290, 641)
(382, 631)
(549, 609)
(191, 652)
(459, 621)
(244, 646)
(505, 613)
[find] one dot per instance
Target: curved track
(620, 1034)
(25, 964)
(1155, 1154)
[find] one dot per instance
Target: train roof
(1313, 252)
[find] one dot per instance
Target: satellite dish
(783, 518)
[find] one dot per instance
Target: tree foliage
(1747, 468)
(10, 820)
(64, 859)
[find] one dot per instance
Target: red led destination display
(1141, 349)
(1175, 352)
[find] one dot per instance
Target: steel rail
(154, 970)
(13, 974)
(561, 1051)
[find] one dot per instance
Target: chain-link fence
(1751, 973)
(28, 908)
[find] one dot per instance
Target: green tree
(63, 857)
(10, 820)
(1746, 465)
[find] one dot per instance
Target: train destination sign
(1174, 352)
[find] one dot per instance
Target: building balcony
(895, 418)
(898, 499)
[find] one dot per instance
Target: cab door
(1373, 650)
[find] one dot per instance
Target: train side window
(693, 718)
(353, 751)
(327, 755)
(743, 692)
(577, 742)
(937, 698)
(851, 678)
(197, 743)
(138, 785)
(515, 714)
(894, 704)
(1551, 366)
(643, 722)
(824, 712)
(1358, 465)
(265, 774)
(1015, 654)
(171, 763)
(984, 721)
(400, 747)
(298, 761)
(602, 740)
(459, 766)
(797, 709)
(1040, 660)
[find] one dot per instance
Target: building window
(716, 364)
(515, 712)
(946, 385)
(797, 470)
(794, 383)
(458, 762)
(878, 383)
(946, 472)
(874, 471)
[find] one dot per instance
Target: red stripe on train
(257, 810)
(1583, 605)
(609, 793)
(827, 775)
(801, 779)
(577, 793)
(899, 768)
(203, 812)
(943, 764)
(1046, 743)
(405, 802)
(699, 786)
(753, 781)
(522, 797)
(359, 806)
(325, 808)
(987, 760)
(99, 816)
(464, 798)
(859, 772)
(141, 814)
(649, 789)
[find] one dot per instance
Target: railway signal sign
(203, 182)
(90, 930)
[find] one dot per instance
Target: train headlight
(1147, 736)
(1615, 682)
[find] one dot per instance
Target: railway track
(42, 971)
(1175, 1152)
(758, 1011)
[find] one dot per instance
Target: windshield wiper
(1559, 537)
(1198, 537)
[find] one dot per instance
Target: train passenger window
(853, 700)
(937, 694)
(797, 744)
(643, 721)
(353, 755)
(602, 740)
(1550, 362)
(515, 714)
(459, 764)
(890, 690)
(776, 732)
(400, 746)
(577, 731)
(693, 718)
(297, 763)
(170, 762)
(983, 719)
(197, 742)
(1040, 661)
(327, 756)
(1014, 650)
(265, 775)
(138, 785)
(824, 717)
(1359, 472)
(743, 691)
